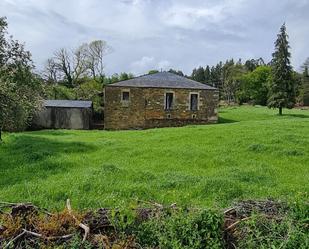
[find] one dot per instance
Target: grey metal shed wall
(64, 118)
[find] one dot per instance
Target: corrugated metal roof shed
(68, 103)
(162, 80)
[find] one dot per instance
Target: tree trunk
(280, 110)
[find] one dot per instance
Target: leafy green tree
(178, 72)
(282, 92)
(114, 78)
(125, 76)
(304, 88)
(306, 91)
(254, 86)
(59, 92)
(91, 90)
(20, 89)
(153, 71)
(252, 64)
(231, 76)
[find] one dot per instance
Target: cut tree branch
(14, 239)
(38, 235)
(81, 225)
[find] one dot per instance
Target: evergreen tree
(219, 77)
(281, 92)
(198, 75)
(213, 78)
(207, 75)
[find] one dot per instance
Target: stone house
(159, 100)
(64, 114)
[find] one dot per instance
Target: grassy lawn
(252, 153)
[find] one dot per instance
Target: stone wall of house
(145, 108)
(124, 115)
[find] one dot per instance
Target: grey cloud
(175, 33)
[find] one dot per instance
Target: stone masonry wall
(145, 108)
(122, 115)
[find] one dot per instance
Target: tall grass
(251, 153)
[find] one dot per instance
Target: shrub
(262, 232)
(181, 229)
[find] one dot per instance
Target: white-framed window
(194, 101)
(169, 101)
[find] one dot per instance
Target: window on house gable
(193, 102)
(125, 96)
(169, 101)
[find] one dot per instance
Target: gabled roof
(162, 80)
(68, 103)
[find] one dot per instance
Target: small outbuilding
(159, 100)
(65, 114)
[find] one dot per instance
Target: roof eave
(161, 87)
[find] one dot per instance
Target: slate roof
(68, 103)
(162, 80)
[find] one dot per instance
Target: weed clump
(267, 224)
(257, 148)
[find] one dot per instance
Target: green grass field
(252, 153)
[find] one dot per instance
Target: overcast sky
(155, 34)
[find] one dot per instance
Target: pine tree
(198, 75)
(218, 77)
(207, 74)
(281, 92)
(213, 79)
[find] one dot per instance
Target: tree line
(80, 74)
(226, 76)
(274, 84)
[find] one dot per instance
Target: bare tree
(63, 62)
(72, 65)
(97, 50)
(80, 64)
(51, 73)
